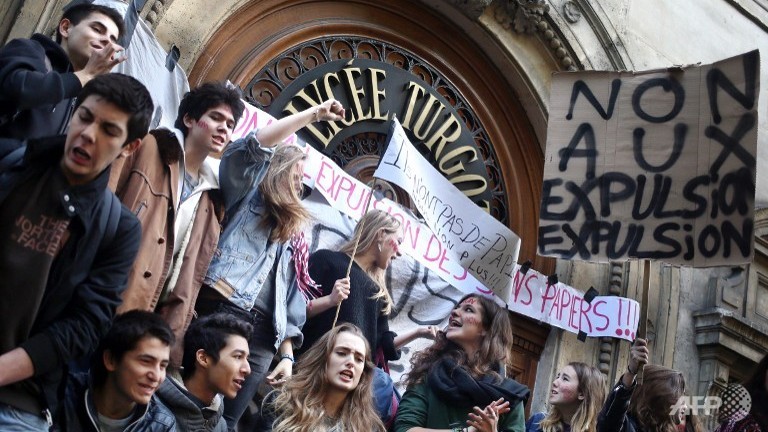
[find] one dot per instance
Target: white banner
(529, 293)
(472, 237)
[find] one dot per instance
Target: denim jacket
(245, 257)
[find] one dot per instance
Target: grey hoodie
(189, 416)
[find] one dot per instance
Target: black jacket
(80, 411)
(87, 277)
(37, 88)
(614, 416)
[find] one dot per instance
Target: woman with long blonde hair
(253, 273)
(331, 389)
(575, 399)
(364, 298)
(457, 384)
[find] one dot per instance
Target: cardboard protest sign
(657, 165)
(471, 236)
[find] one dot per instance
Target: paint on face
(465, 325)
(395, 246)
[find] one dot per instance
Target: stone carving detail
(608, 345)
(154, 10)
(471, 8)
(529, 17)
(571, 11)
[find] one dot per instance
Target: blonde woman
(331, 389)
(252, 274)
(575, 399)
(365, 300)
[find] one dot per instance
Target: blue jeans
(16, 420)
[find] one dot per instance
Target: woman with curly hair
(646, 407)
(457, 383)
(330, 390)
(575, 400)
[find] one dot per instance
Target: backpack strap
(13, 158)
(109, 218)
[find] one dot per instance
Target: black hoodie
(37, 88)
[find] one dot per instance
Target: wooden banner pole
(354, 250)
(642, 328)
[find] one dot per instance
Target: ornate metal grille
(279, 73)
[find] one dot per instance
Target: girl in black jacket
(647, 407)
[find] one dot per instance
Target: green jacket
(420, 407)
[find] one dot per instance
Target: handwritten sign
(528, 293)
(426, 297)
(567, 308)
(657, 165)
(480, 243)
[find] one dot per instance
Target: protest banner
(656, 165)
(530, 294)
(471, 236)
(533, 294)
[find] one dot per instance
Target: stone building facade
(492, 60)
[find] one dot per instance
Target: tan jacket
(147, 182)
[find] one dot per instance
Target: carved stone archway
(260, 31)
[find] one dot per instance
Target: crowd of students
(151, 287)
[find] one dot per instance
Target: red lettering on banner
(563, 303)
(345, 184)
(326, 171)
(597, 313)
(548, 296)
(583, 315)
(436, 242)
(483, 290)
(575, 300)
(360, 202)
(463, 275)
(250, 122)
(411, 233)
(443, 259)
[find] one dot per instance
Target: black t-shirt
(33, 229)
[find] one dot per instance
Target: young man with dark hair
(66, 244)
(172, 184)
(126, 370)
(215, 363)
(40, 78)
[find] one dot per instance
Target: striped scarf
(308, 287)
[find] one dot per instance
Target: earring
(379, 246)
